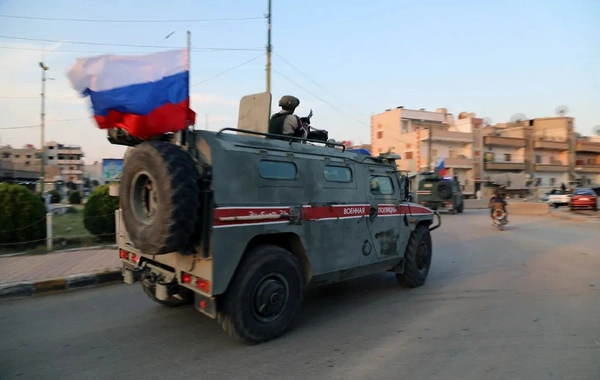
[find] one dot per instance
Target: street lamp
(42, 125)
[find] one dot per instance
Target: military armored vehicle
(437, 192)
(240, 224)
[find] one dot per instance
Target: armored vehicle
(240, 224)
(437, 192)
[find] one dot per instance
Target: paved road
(518, 304)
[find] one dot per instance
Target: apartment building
(423, 137)
(587, 160)
(68, 158)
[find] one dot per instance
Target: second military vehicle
(437, 192)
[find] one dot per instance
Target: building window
(337, 174)
(26, 162)
(507, 157)
(552, 181)
(17, 155)
(538, 159)
(380, 134)
(51, 158)
(381, 185)
(408, 155)
(277, 170)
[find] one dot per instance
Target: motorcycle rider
(284, 122)
(498, 198)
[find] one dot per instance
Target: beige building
(68, 158)
(422, 137)
(545, 151)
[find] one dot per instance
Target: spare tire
(160, 197)
(444, 189)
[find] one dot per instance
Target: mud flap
(205, 305)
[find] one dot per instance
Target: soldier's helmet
(289, 101)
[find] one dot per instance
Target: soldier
(285, 122)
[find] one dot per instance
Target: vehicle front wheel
(417, 258)
(264, 296)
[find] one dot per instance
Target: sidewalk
(60, 271)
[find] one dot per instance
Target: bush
(99, 213)
(75, 197)
(22, 217)
(55, 196)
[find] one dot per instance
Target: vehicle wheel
(160, 197)
(461, 208)
(186, 295)
(264, 296)
(555, 205)
(417, 258)
(444, 189)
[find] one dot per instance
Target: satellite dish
(561, 110)
(487, 121)
(597, 130)
(517, 118)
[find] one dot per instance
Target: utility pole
(269, 49)
(43, 127)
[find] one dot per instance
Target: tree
(75, 197)
(22, 216)
(99, 213)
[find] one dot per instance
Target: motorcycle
(499, 217)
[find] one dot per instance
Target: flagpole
(189, 57)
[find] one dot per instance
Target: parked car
(559, 198)
(584, 198)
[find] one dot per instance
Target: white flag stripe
(108, 72)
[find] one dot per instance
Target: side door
(389, 233)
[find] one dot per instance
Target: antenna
(517, 118)
(561, 110)
(597, 130)
(487, 121)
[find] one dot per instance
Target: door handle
(372, 212)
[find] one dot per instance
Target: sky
(345, 60)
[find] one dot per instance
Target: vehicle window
(583, 192)
(381, 185)
(277, 170)
(337, 173)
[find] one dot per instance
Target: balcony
(514, 142)
(587, 146)
(72, 172)
(448, 136)
(458, 162)
(556, 167)
(587, 168)
(69, 162)
(504, 165)
(550, 145)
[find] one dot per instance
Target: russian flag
(145, 95)
(441, 168)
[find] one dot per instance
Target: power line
(318, 85)
(130, 21)
(122, 45)
(228, 70)
(318, 97)
(48, 120)
(213, 50)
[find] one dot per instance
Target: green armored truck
(437, 192)
(240, 223)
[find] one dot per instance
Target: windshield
(583, 192)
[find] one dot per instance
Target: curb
(61, 284)
(95, 247)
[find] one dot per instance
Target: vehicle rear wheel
(417, 258)
(185, 295)
(160, 197)
(263, 297)
(461, 208)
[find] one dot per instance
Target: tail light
(197, 282)
(124, 255)
(498, 213)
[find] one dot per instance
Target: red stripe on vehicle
(237, 216)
